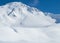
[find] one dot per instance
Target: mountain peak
(15, 20)
(17, 13)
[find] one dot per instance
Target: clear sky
(52, 6)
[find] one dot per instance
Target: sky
(51, 6)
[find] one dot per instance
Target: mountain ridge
(17, 11)
(23, 24)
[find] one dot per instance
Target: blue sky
(52, 6)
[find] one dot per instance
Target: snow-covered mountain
(21, 14)
(20, 23)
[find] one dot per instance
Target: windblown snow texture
(20, 23)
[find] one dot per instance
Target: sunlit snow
(20, 23)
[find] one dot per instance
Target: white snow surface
(20, 23)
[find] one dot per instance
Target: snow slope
(20, 23)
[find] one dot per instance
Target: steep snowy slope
(18, 13)
(20, 23)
